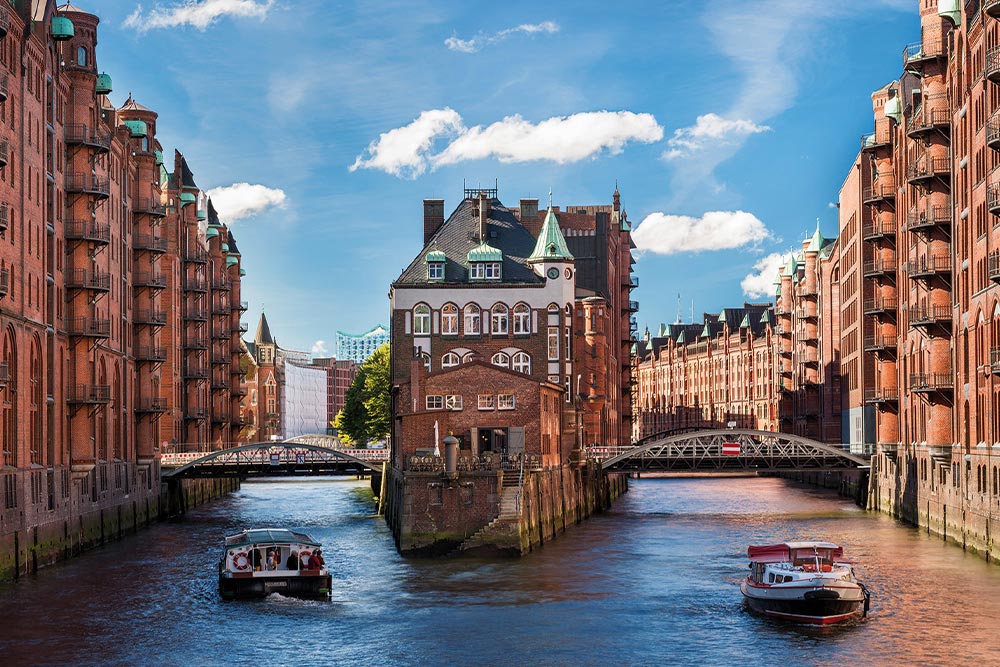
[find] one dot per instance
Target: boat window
(770, 577)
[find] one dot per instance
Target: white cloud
(407, 151)
(481, 39)
(243, 200)
(319, 349)
(665, 234)
(761, 283)
(198, 14)
(710, 131)
(403, 151)
(832, 204)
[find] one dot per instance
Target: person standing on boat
(292, 563)
(317, 561)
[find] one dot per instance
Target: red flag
(730, 449)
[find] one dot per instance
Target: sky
(319, 128)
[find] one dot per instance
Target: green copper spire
(816, 244)
(550, 244)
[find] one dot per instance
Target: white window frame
(501, 359)
(435, 270)
(473, 315)
(449, 320)
(492, 270)
(421, 320)
(487, 402)
(453, 402)
(477, 271)
(522, 319)
(521, 362)
(506, 402)
(434, 402)
(498, 319)
(553, 344)
(450, 359)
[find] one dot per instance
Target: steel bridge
(727, 450)
(303, 455)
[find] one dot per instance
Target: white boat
(260, 561)
(805, 582)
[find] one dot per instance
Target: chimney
(484, 215)
(529, 209)
(433, 217)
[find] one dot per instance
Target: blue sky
(729, 126)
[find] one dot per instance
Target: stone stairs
(507, 521)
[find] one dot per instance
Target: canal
(653, 582)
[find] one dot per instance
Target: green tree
(366, 414)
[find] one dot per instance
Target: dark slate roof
(460, 233)
(252, 349)
(213, 215)
(263, 332)
(232, 242)
(187, 176)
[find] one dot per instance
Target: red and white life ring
(305, 560)
(241, 561)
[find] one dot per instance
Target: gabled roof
(460, 234)
(263, 336)
(551, 243)
(132, 105)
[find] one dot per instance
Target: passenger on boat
(317, 561)
(272, 559)
(255, 559)
(292, 563)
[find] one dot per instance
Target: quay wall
(49, 515)
(437, 513)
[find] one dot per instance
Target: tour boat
(806, 582)
(261, 561)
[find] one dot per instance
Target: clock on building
(553, 273)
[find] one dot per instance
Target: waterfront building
(94, 243)
(510, 333)
(340, 375)
(358, 347)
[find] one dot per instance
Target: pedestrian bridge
(303, 455)
(727, 450)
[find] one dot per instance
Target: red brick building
(94, 236)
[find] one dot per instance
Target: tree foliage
(366, 414)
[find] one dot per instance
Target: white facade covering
(304, 401)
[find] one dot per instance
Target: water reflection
(654, 581)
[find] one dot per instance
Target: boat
(804, 582)
(260, 561)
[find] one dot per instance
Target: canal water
(653, 582)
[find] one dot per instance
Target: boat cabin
(264, 551)
(788, 562)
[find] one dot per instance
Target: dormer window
(485, 263)
(484, 271)
(435, 265)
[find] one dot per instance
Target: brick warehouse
(511, 333)
(903, 318)
(110, 267)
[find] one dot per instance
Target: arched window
(498, 323)
(449, 319)
(36, 401)
(467, 357)
(522, 319)
(9, 420)
(426, 358)
(472, 319)
(421, 320)
(81, 57)
(501, 359)
(521, 363)
(449, 359)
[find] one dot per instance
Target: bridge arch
(702, 451)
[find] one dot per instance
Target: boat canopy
(269, 536)
(778, 553)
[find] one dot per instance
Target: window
(253, 397)
(471, 319)
(453, 402)
(81, 57)
(505, 402)
(498, 323)
(435, 402)
(477, 271)
(521, 363)
(467, 357)
(522, 319)
(492, 270)
(449, 359)
(449, 320)
(435, 270)
(421, 320)
(553, 343)
(501, 359)
(486, 401)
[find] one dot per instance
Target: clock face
(553, 273)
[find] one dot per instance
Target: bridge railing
(270, 455)
(473, 463)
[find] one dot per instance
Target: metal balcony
(221, 308)
(149, 243)
(78, 134)
(4, 218)
(196, 412)
(931, 114)
(4, 282)
(993, 133)
(149, 280)
(220, 417)
(878, 230)
(931, 266)
(196, 315)
(992, 68)
(880, 306)
(88, 327)
(4, 87)
(927, 383)
(220, 382)
(880, 343)
(93, 394)
(4, 152)
(879, 267)
(153, 355)
(807, 312)
(98, 233)
(883, 190)
(991, 8)
(239, 392)
(926, 168)
(4, 21)
(196, 256)
(993, 198)
(881, 137)
(242, 328)
(876, 395)
(195, 344)
(631, 282)
(149, 206)
(220, 283)
(147, 317)
(928, 316)
(242, 306)
(934, 216)
(993, 266)
(195, 372)
(930, 47)
(151, 406)
(88, 184)
(221, 333)
(995, 361)
(195, 285)
(85, 279)
(4, 373)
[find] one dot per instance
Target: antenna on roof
(550, 197)
(678, 308)
(692, 311)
